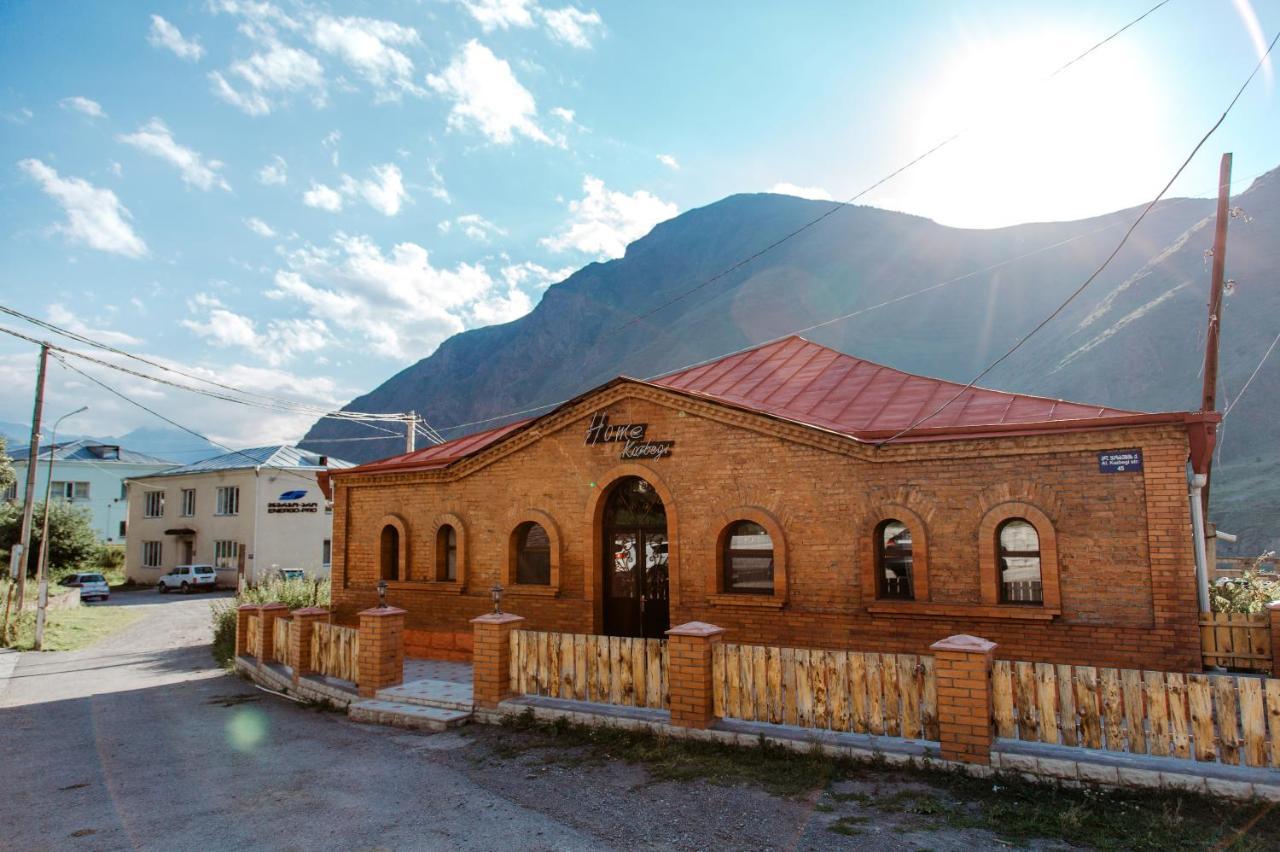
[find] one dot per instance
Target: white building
(258, 510)
(87, 473)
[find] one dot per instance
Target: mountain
(161, 442)
(1134, 339)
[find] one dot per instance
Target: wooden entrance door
(636, 579)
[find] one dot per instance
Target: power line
(874, 186)
(257, 462)
(1265, 356)
(1058, 310)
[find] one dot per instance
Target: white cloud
(95, 216)
(274, 173)
(565, 115)
(330, 142)
(604, 221)
(275, 71)
(279, 342)
(815, 193)
(91, 108)
(486, 94)
(322, 197)
(259, 227)
(385, 191)
(511, 305)
(117, 169)
(156, 139)
(500, 14)
(366, 45)
(477, 227)
(60, 315)
(572, 26)
(165, 35)
(437, 188)
(669, 161)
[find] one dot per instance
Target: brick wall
(1125, 564)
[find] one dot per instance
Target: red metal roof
(805, 382)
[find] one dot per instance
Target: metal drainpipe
(1198, 482)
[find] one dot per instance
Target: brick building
(756, 493)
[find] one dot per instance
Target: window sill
(425, 586)
(534, 591)
(928, 609)
(755, 601)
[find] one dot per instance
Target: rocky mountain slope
(956, 299)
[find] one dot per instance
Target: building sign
(1120, 461)
(290, 503)
(630, 435)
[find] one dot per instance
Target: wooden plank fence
(335, 651)
(1223, 718)
(1236, 640)
(888, 694)
(280, 640)
(254, 643)
(584, 667)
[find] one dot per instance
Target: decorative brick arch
(593, 573)
(514, 522)
(919, 549)
(988, 563)
(460, 530)
(715, 583)
(402, 554)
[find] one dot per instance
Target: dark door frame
(649, 614)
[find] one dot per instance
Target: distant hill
(161, 442)
(1133, 340)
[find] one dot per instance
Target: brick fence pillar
(963, 667)
(689, 651)
(491, 657)
(243, 614)
(1273, 610)
(270, 612)
(300, 631)
(381, 649)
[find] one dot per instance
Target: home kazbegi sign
(630, 435)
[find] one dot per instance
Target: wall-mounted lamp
(382, 594)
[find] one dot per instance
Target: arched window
(390, 553)
(446, 553)
(1018, 551)
(533, 555)
(748, 559)
(894, 560)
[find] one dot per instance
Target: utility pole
(1209, 400)
(410, 432)
(28, 503)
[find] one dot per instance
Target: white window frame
(153, 504)
(188, 502)
(228, 500)
(326, 552)
(226, 554)
(152, 553)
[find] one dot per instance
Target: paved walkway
(140, 742)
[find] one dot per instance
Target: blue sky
(303, 198)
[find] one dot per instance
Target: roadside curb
(8, 662)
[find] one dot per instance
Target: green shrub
(294, 594)
(1250, 592)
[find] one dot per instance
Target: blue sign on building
(1120, 461)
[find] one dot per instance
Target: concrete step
(444, 694)
(401, 715)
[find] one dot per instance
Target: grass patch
(848, 825)
(1011, 808)
(73, 629)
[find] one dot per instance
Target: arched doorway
(636, 578)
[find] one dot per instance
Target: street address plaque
(1120, 461)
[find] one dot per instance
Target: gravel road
(140, 742)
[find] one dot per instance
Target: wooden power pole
(28, 503)
(1209, 400)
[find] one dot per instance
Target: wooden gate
(1236, 640)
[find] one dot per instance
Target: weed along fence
(581, 667)
(1211, 718)
(885, 694)
(1237, 640)
(335, 651)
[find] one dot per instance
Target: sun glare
(1035, 149)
